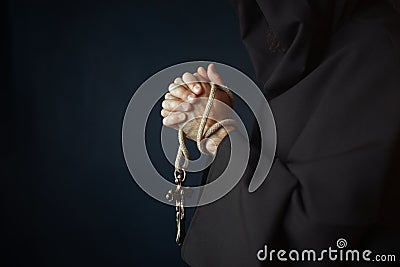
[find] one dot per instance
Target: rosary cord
(182, 150)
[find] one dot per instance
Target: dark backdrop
(69, 69)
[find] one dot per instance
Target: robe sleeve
(336, 170)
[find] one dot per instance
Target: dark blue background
(71, 68)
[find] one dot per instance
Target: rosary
(177, 195)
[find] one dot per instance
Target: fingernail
(196, 88)
(191, 97)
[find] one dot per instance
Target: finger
(175, 105)
(165, 113)
(213, 75)
(179, 81)
(192, 82)
(181, 92)
(200, 78)
(174, 118)
(202, 71)
(204, 82)
(170, 96)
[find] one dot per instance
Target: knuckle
(172, 86)
(187, 77)
(179, 92)
(174, 91)
(165, 104)
(178, 81)
(164, 113)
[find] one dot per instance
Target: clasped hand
(185, 103)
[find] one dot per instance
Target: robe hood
(284, 38)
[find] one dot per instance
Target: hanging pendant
(177, 195)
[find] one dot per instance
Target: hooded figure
(331, 72)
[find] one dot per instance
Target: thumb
(213, 75)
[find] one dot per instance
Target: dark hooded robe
(331, 72)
